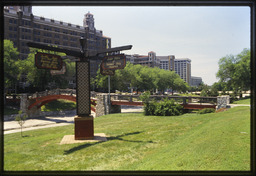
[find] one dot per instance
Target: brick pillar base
(84, 128)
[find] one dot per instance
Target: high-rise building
(183, 68)
(166, 62)
(149, 60)
(22, 26)
(196, 81)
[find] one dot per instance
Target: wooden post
(84, 120)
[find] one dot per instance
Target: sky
(202, 34)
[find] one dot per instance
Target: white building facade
(183, 68)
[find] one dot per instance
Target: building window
(37, 26)
(57, 30)
(47, 34)
(47, 28)
(37, 32)
(26, 23)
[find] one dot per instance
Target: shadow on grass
(119, 137)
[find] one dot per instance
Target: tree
(40, 78)
(205, 90)
(20, 118)
(11, 56)
(180, 85)
(142, 78)
(234, 71)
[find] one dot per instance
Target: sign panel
(48, 61)
(106, 72)
(59, 72)
(114, 62)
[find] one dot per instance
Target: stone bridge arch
(31, 103)
(46, 99)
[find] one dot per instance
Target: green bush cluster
(206, 110)
(162, 108)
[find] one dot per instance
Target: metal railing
(71, 92)
(178, 99)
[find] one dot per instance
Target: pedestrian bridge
(39, 99)
(104, 102)
(187, 102)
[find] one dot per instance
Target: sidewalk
(12, 126)
(235, 105)
(47, 121)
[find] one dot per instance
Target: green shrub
(149, 108)
(206, 110)
(145, 97)
(163, 108)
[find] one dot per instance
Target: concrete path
(41, 122)
(235, 105)
(11, 126)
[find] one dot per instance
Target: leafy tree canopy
(11, 56)
(142, 78)
(234, 71)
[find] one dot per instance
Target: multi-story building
(196, 81)
(183, 68)
(149, 60)
(166, 62)
(21, 26)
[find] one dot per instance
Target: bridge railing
(11, 99)
(71, 92)
(178, 99)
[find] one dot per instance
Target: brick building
(22, 26)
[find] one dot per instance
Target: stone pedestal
(84, 128)
(223, 101)
(103, 107)
(25, 102)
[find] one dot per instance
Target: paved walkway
(36, 123)
(235, 105)
(52, 121)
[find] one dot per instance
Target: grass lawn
(217, 141)
(243, 101)
(59, 105)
